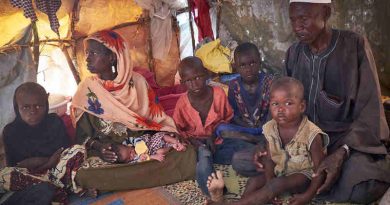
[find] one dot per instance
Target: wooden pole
(35, 45)
(151, 58)
(190, 21)
(70, 63)
(219, 12)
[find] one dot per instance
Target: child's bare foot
(215, 186)
(91, 193)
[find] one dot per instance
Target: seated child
(197, 113)
(34, 143)
(295, 149)
(248, 95)
(146, 147)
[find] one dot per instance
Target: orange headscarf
(127, 99)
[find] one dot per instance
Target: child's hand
(143, 157)
(298, 199)
(54, 158)
(158, 157)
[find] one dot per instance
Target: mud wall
(266, 23)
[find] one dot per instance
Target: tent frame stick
(150, 51)
(191, 27)
(35, 45)
(219, 12)
(71, 65)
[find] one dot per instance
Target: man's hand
(331, 166)
(257, 158)
(158, 157)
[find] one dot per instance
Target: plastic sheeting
(91, 16)
(13, 23)
(95, 15)
(15, 68)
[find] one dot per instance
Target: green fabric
(177, 166)
(89, 126)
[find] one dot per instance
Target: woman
(115, 104)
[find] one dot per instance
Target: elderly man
(342, 93)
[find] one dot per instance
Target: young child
(35, 145)
(295, 149)
(248, 94)
(197, 113)
(146, 147)
(249, 97)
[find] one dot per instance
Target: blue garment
(227, 78)
(223, 155)
(237, 128)
(252, 109)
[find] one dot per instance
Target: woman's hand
(106, 152)
(331, 166)
(158, 157)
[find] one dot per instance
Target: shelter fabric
(127, 99)
(160, 25)
(202, 18)
(343, 99)
(27, 7)
(49, 7)
(15, 68)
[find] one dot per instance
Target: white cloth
(313, 1)
(160, 12)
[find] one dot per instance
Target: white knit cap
(313, 1)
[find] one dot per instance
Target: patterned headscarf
(128, 99)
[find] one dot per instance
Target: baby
(146, 147)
